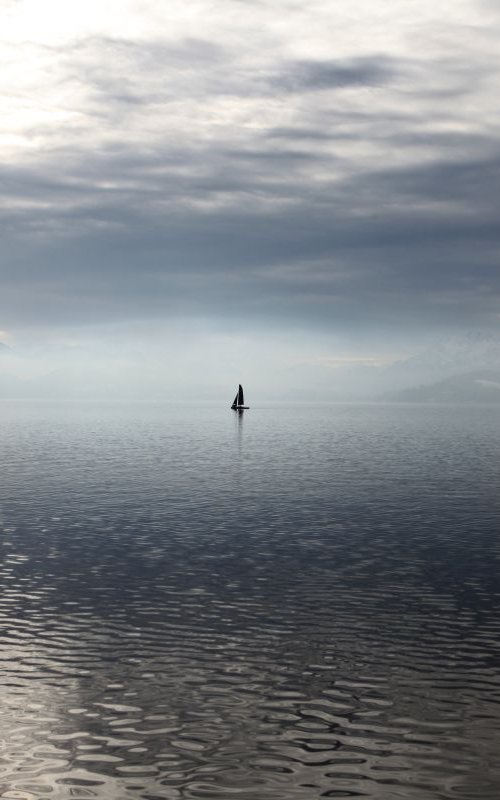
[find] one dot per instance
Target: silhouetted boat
(239, 402)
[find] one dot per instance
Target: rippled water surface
(297, 603)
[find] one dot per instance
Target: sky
(223, 190)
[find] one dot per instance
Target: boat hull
(240, 408)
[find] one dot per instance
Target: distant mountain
(480, 386)
(474, 356)
(453, 355)
(427, 376)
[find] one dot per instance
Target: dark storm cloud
(390, 243)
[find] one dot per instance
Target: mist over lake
(298, 602)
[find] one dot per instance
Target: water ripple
(301, 608)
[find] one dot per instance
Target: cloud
(226, 168)
(300, 76)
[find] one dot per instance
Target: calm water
(300, 603)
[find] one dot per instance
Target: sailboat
(239, 402)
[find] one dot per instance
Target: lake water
(292, 604)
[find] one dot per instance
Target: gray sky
(280, 180)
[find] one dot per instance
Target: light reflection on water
(298, 602)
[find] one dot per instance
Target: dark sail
(239, 402)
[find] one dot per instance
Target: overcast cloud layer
(329, 166)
